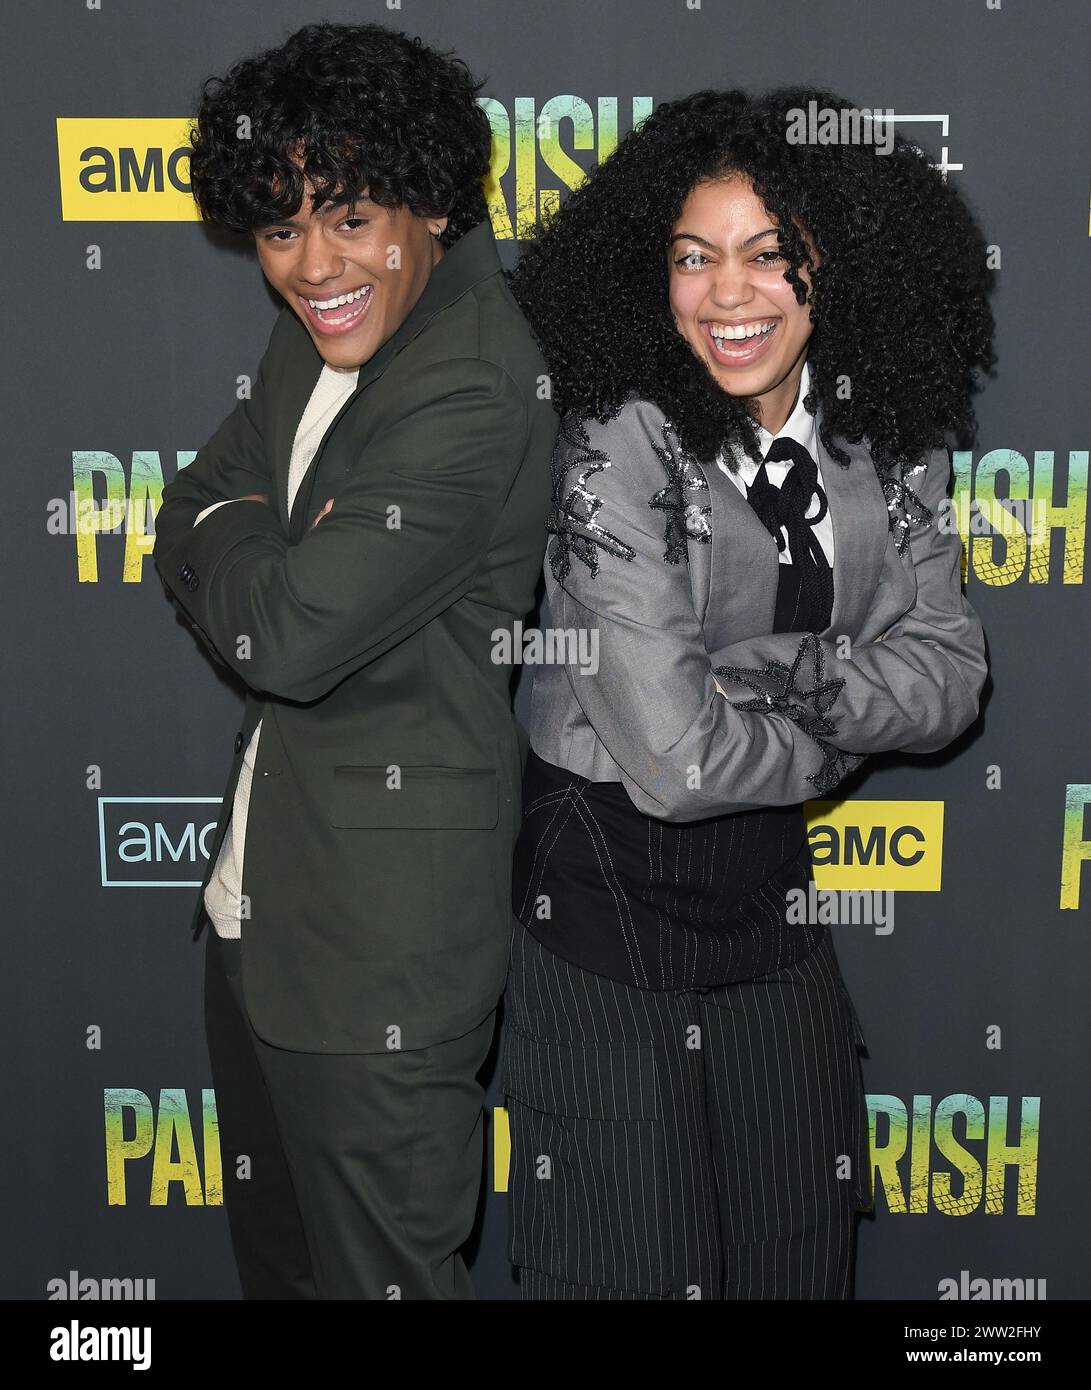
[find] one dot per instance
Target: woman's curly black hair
(899, 303)
(368, 108)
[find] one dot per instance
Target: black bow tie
(787, 506)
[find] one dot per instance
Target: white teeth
(341, 299)
(738, 333)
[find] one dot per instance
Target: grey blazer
(696, 706)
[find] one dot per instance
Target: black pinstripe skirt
(699, 1143)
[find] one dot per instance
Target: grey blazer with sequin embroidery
(696, 706)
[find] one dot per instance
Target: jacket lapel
(860, 535)
(300, 378)
(470, 260)
(743, 582)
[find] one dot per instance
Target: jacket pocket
(422, 798)
(587, 1179)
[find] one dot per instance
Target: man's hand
(254, 497)
(322, 513)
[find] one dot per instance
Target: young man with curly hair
(347, 543)
(758, 346)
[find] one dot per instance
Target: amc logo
(876, 844)
(155, 841)
(117, 170)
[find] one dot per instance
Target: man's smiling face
(350, 271)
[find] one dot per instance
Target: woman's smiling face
(730, 299)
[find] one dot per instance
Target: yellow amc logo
(125, 170)
(876, 844)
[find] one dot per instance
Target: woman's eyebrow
(750, 240)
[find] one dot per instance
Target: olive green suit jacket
(385, 798)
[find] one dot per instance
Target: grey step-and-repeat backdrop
(128, 329)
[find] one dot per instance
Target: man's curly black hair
(899, 303)
(369, 109)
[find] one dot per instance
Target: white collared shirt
(803, 428)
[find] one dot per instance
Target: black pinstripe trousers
(680, 1144)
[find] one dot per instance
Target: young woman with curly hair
(345, 544)
(758, 348)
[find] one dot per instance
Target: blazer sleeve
(683, 751)
(408, 531)
(913, 689)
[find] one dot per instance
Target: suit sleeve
(408, 532)
(917, 686)
(684, 752)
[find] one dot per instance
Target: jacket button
(238, 742)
